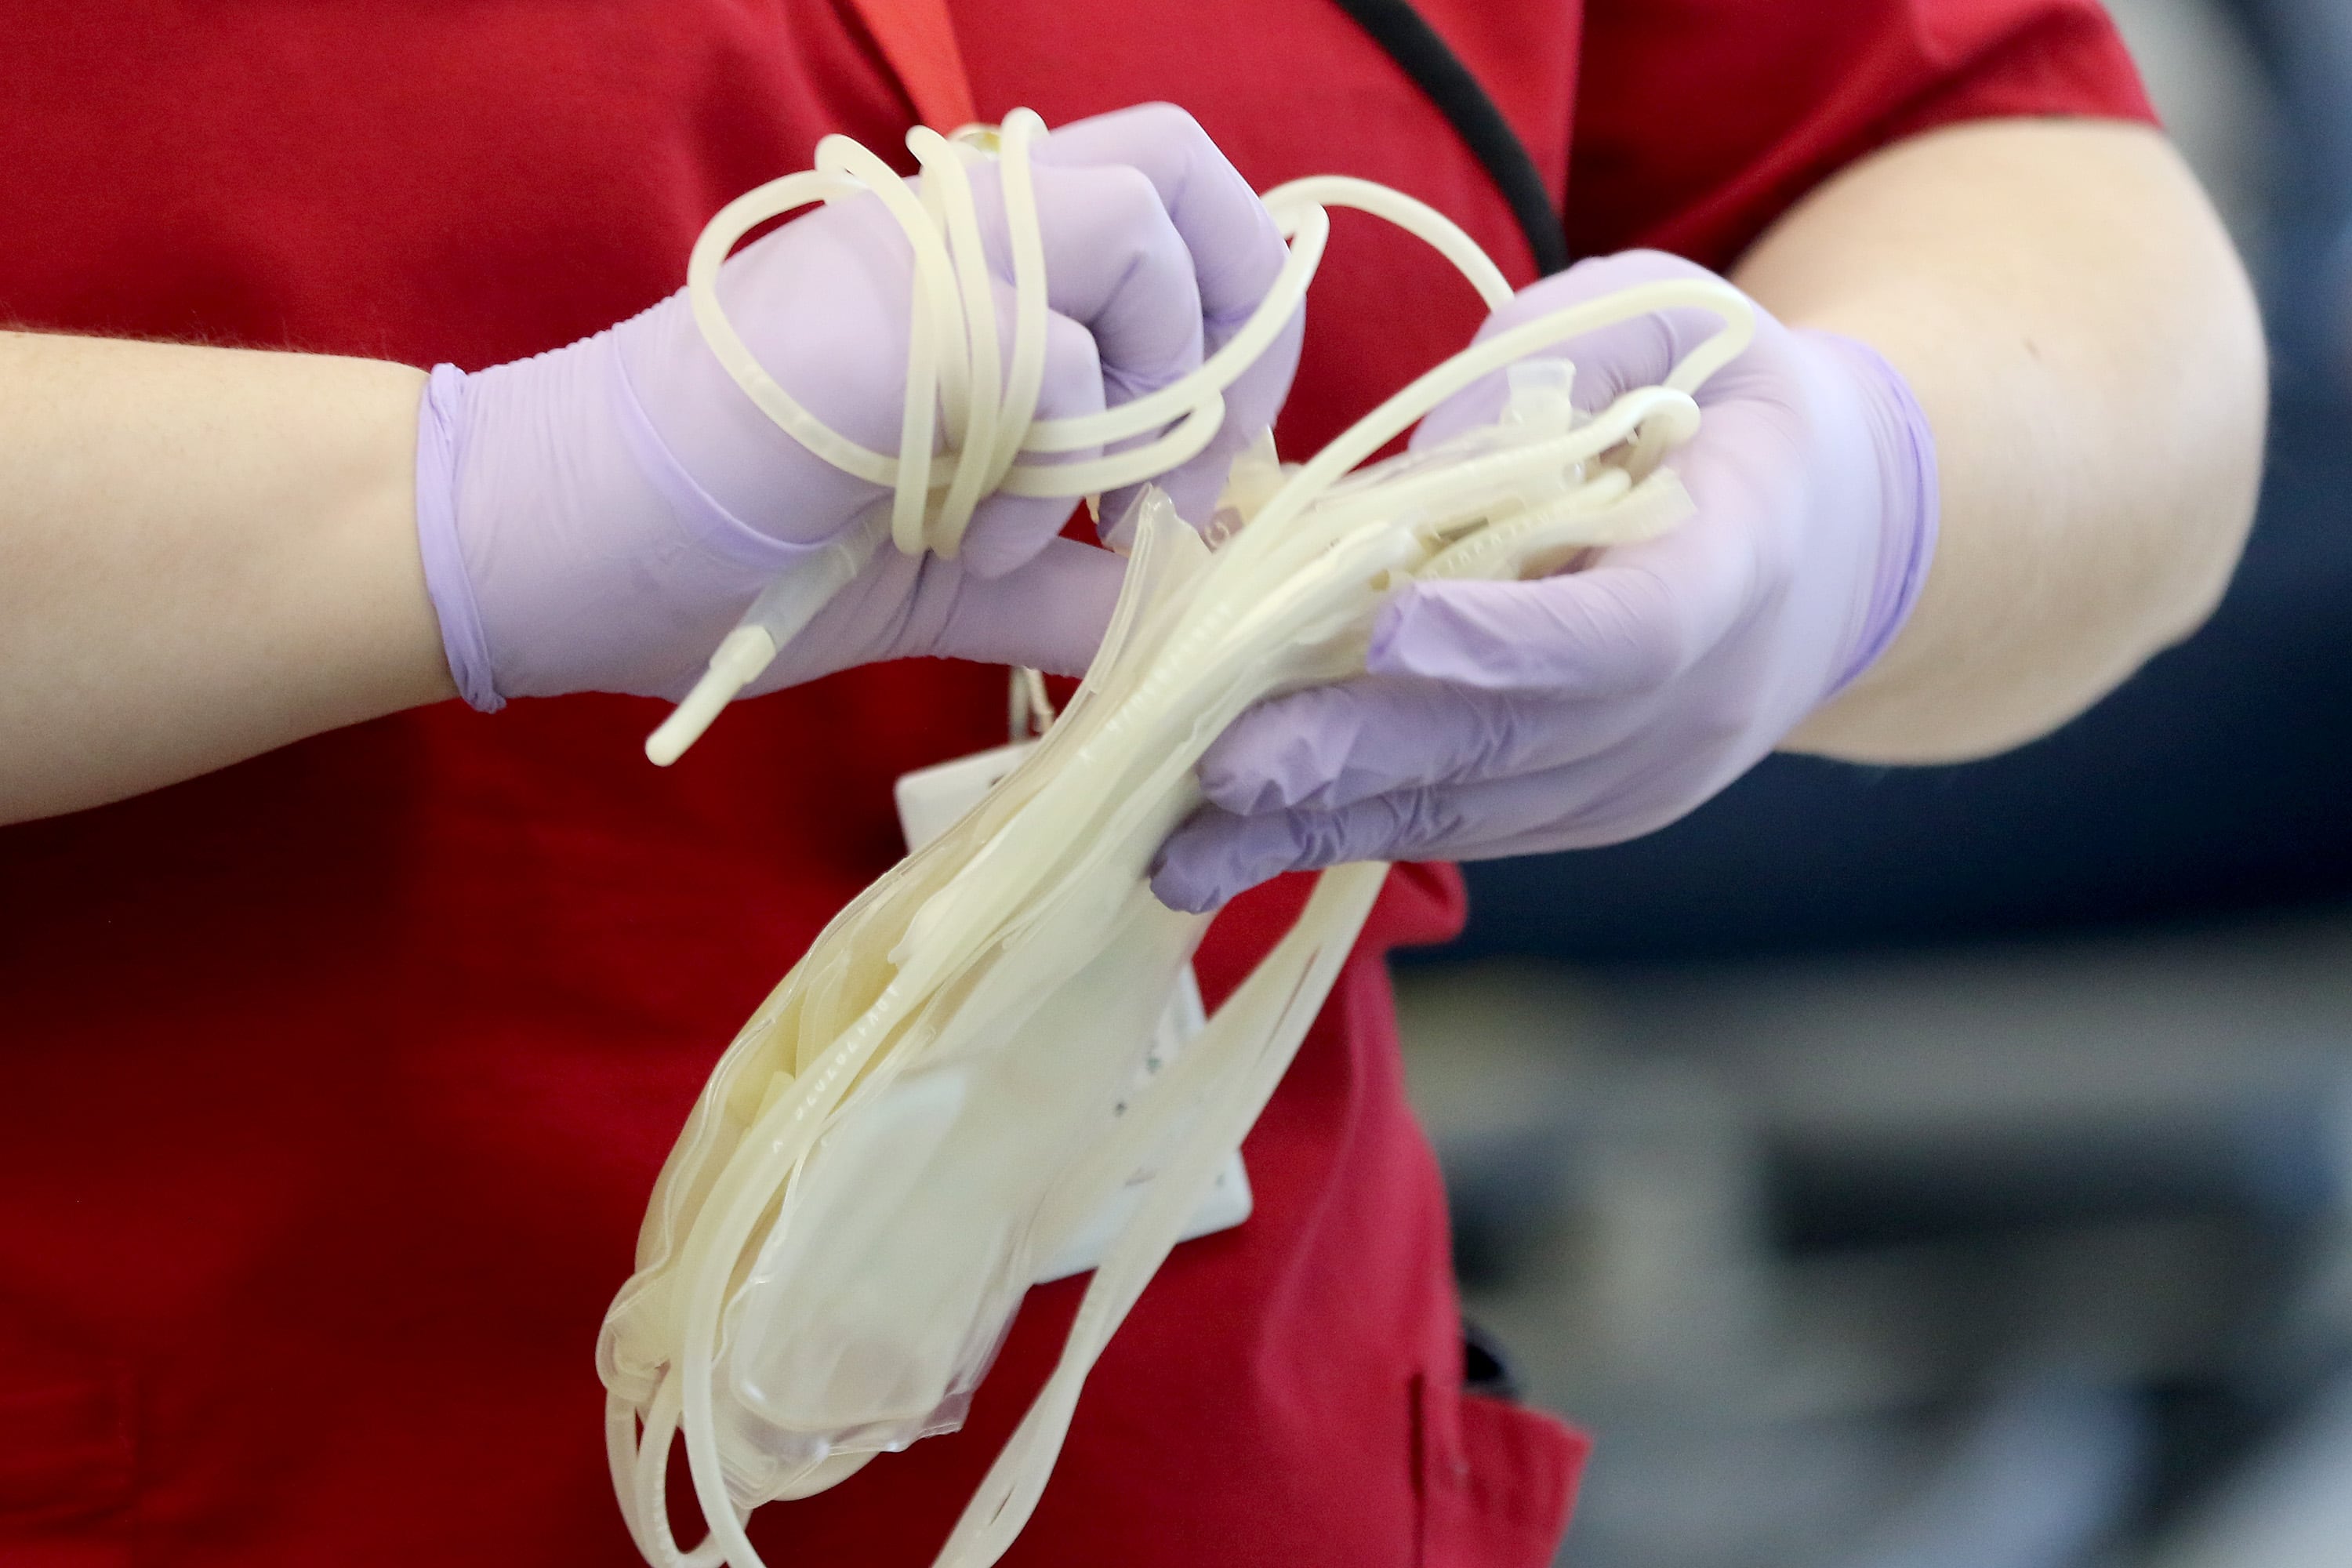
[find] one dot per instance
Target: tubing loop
(969, 428)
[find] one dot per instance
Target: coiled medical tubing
(956, 367)
(1318, 522)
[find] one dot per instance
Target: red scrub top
(332, 1085)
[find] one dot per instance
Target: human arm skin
(2084, 343)
(205, 554)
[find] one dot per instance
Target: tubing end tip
(670, 740)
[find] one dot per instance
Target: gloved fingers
(1609, 362)
(1049, 613)
(1258, 394)
(1331, 747)
(1116, 265)
(1236, 251)
(1634, 623)
(1008, 531)
(1216, 854)
(1235, 254)
(1251, 404)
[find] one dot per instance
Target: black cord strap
(1420, 54)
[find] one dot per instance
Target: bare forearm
(2082, 339)
(203, 553)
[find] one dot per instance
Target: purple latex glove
(597, 518)
(1597, 705)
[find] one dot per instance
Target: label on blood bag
(930, 801)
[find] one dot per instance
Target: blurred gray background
(1954, 1166)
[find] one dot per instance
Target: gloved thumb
(1049, 614)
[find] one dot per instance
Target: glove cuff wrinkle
(440, 458)
(1910, 502)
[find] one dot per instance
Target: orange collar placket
(918, 40)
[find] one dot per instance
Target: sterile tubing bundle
(949, 1084)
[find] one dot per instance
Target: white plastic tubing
(943, 1087)
(957, 371)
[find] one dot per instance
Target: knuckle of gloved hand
(1247, 262)
(1160, 267)
(1173, 142)
(1260, 764)
(1073, 380)
(1097, 219)
(1139, 132)
(1195, 871)
(1150, 302)
(1164, 122)
(1299, 765)
(1191, 175)
(1124, 208)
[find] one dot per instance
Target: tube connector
(778, 615)
(742, 655)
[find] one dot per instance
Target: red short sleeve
(1699, 121)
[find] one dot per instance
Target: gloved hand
(1596, 705)
(596, 518)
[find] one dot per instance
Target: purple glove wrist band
(439, 424)
(1904, 435)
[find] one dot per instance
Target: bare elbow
(2103, 465)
